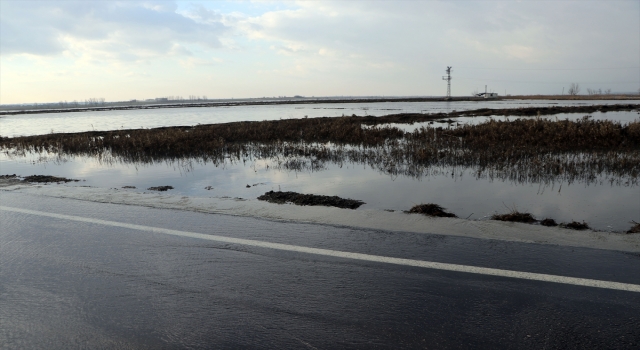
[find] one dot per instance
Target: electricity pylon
(448, 79)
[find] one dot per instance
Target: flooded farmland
(567, 167)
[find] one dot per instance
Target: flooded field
(583, 169)
(38, 124)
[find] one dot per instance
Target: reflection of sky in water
(603, 206)
(34, 124)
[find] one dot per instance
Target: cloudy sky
(120, 50)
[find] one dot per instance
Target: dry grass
(635, 228)
(431, 209)
(524, 150)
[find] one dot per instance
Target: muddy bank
(310, 199)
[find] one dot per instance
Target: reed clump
(431, 209)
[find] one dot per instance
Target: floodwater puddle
(603, 205)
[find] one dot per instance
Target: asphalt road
(77, 274)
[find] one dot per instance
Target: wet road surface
(85, 284)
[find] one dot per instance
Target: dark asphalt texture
(66, 284)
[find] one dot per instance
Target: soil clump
(47, 179)
(514, 216)
(574, 225)
(310, 199)
(548, 222)
(160, 188)
(431, 209)
(635, 228)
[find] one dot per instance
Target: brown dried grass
(524, 150)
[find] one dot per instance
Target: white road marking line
(348, 255)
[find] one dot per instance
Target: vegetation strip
(523, 150)
(310, 199)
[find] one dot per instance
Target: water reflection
(603, 205)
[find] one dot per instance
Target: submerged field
(521, 152)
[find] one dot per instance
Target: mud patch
(431, 209)
(548, 222)
(635, 228)
(160, 188)
(515, 216)
(574, 225)
(47, 179)
(310, 199)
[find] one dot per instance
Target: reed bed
(531, 150)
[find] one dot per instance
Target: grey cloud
(39, 27)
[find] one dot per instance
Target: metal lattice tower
(448, 79)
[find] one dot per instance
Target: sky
(53, 51)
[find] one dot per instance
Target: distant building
(162, 99)
(487, 94)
